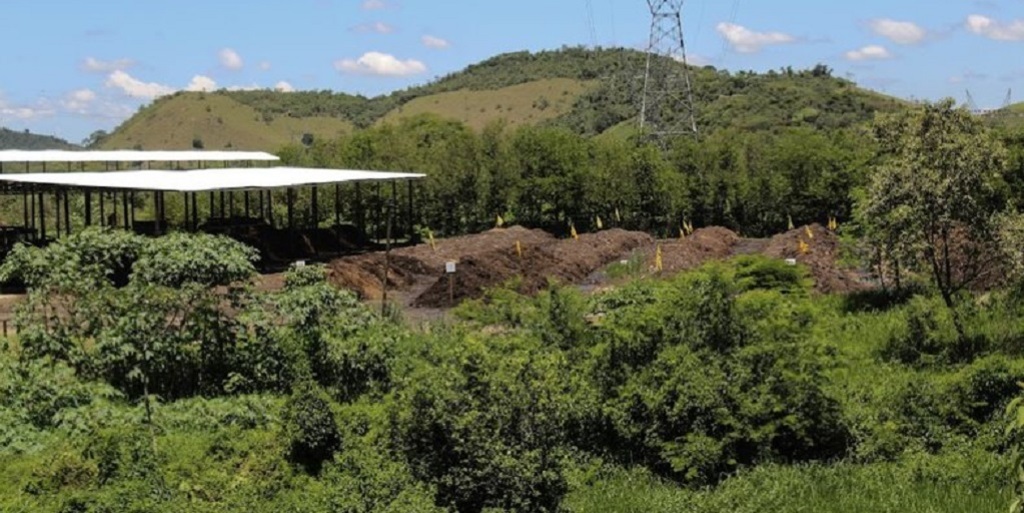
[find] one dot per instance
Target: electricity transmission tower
(667, 107)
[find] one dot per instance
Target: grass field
(523, 104)
(219, 122)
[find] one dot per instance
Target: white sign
(791, 261)
(300, 263)
(449, 267)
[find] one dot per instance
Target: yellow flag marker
(804, 247)
(430, 239)
(499, 222)
(572, 231)
(600, 225)
(689, 228)
(682, 233)
(657, 259)
(519, 250)
(618, 218)
(810, 234)
(833, 225)
(790, 222)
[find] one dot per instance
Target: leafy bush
(487, 423)
(309, 428)
(930, 337)
(733, 382)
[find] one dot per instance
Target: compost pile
(821, 258)
(483, 261)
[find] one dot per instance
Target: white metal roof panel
(62, 156)
(205, 179)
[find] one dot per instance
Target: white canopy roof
(205, 179)
(62, 156)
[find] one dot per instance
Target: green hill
(587, 91)
(14, 140)
(215, 121)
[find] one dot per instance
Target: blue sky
(70, 67)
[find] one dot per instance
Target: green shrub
(930, 338)
(309, 428)
(757, 272)
(488, 423)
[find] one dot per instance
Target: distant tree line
(552, 177)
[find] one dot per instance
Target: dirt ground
(822, 258)
(417, 280)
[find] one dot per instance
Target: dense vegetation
(139, 383)
(152, 375)
(604, 100)
(25, 140)
(551, 177)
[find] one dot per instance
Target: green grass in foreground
(919, 484)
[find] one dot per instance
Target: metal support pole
(56, 212)
(360, 218)
(394, 198)
(124, 210)
(263, 209)
(315, 210)
(88, 207)
(211, 207)
(231, 203)
(103, 213)
(223, 213)
(247, 205)
(337, 204)
(378, 213)
(270, 208)
(195, 211)
(387, 260)
(412, 218)
(291, 208)
(24, 205)
(67, 213)
(156, 212)
(42, 217)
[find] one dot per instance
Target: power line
(667, 106)
(591, 27)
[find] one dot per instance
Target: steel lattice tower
(667, 107)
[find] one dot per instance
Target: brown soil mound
(821, 258)
(714, 243)
(456, 248)
(567, 261)
(409, 265)
(362, 273)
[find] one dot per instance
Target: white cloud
(377, 63)
(135, 87)
(265, 66)
(869, 53)
(230, 59)
(94, 65)
(284, 87)
(374, 5)
(24, 112)
(900, 32)
(744, 40)
(993, 29)
(435, 42)
(79, 101)
(250, 87)
(378, 27)
(201, 83)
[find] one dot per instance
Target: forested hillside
(585, 91)
(13, 140)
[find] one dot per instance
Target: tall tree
(931, 202)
